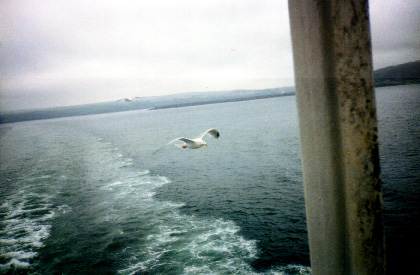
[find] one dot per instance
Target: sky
(62, 52)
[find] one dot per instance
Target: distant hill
(151, 103)
(407, 73)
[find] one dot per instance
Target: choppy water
(87, 195)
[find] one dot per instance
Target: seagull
(197, 142)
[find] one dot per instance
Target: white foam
(291, 269)
(26, 225)
(20, 255)
(41, 177)
(145, 172)
(10, 241)
(175, 204)
(115, 183)
(63, 209)
(200, 246)
(195, 244)
(16, 263)
(134, 268)
(150, 194)
(37, 233)
(113, 218)
(139, 185)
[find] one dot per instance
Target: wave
(116, 218)
(183, 244)
(26, 224)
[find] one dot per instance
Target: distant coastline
(220, 101)
(152, 103)
(403, 74)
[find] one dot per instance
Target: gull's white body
(197, 142)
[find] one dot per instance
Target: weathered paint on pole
(338, 133)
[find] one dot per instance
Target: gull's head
(203, 142)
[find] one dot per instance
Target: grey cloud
(106, 49)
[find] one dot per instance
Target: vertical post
(338, 132)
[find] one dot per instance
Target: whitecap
(197, 245)
(16, 263)
(145, 172)
(19, 255)
(115, 183)
(63, 209)
(26, 225)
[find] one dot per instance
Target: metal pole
(338, 133)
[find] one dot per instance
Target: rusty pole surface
(338, 134)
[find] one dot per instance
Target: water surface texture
(91, 195)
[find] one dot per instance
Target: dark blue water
(89, 195)
(399, 137)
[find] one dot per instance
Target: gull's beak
(205, 144)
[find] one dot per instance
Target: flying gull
(197, 142)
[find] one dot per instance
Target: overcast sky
(62, 52)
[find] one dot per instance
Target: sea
(105, 194)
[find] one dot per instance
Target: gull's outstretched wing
(213, 132)
(186, 140)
